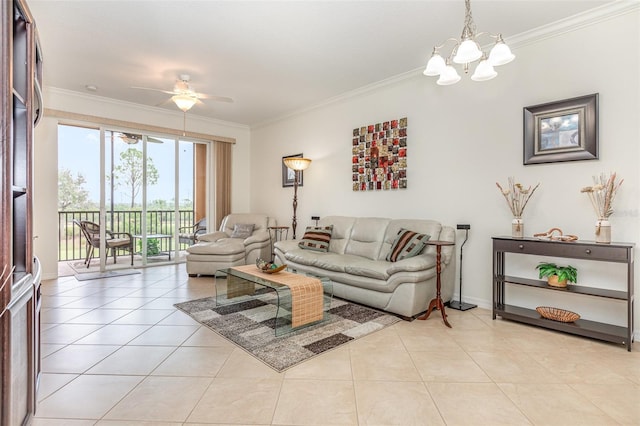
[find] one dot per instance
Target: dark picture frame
(288, 175)
(559, 131)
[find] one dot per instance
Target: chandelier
(466, 51)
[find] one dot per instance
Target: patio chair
(189, 234)
(113, 241)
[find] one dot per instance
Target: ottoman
(207, 257)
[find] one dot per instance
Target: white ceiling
(272, 57)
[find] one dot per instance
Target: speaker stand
(460, 305)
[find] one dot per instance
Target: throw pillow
(242, 230)
(407, 244)
(316, 238)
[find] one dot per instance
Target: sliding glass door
(146, 193)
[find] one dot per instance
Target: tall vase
(517, 227)
(603, 231)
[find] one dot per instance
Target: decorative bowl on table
(269, 267)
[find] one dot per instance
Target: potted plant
(557, 276)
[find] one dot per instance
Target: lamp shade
(435, 65)
(484, 71)
(500, 54)
(468, 51)
(448, 76)
(297, 163)
(184, 102)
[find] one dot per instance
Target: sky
(79, 151)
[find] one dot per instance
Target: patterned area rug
(250, 325)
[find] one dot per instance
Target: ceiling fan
(132, 138)
(184, 96)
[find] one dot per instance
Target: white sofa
(218, 250)
(356, 263)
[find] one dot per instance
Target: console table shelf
(586, 250)
(591, 291)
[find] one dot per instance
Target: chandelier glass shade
(466, 51)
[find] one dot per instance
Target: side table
(275, 235)
(437, 302)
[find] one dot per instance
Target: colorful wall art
(379, 156)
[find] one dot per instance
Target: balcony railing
(72, 245)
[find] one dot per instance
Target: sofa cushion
(341, 231)
(316, 238)
(222, 247)
(406, 244)
(301, 257)
(368, 268)
(242, 230)
(334, 262)
(366, 237)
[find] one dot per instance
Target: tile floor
(116, 352)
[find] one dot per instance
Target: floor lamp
(297, 164)
(459, 305)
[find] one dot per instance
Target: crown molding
(140, 107)
(562, 26)
(575, 22)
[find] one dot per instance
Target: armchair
(113, 240)
(228, 246)
(189, 234)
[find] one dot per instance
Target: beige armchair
(242, 238)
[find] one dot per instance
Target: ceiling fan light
(484, 71)
(448, 76)
(468, 51)
(184, 102)
(435, 65)
(500, 53)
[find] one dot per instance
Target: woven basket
(557, 314)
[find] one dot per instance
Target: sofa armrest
(212, 236)
(412, 264)
(257, 237)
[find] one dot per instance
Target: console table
(584, 250)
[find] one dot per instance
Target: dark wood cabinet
(585, 250)
(20, 93)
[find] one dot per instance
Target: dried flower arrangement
(602, 193)
(517, 196)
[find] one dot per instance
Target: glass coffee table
(233, 286)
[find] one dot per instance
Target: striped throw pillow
(406, 244)
(316, 238)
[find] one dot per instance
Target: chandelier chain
(469, 30)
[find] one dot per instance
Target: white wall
(464, 138)
(46, 155)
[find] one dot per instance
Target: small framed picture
(561, 131)
(289, 175)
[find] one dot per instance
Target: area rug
(107, 274)
(250, 325)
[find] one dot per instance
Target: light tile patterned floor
(116, 352)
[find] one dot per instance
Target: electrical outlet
(464, 226)
(315, 217)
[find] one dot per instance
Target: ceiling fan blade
(155, 90)
(153, 140)
(218, 98)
